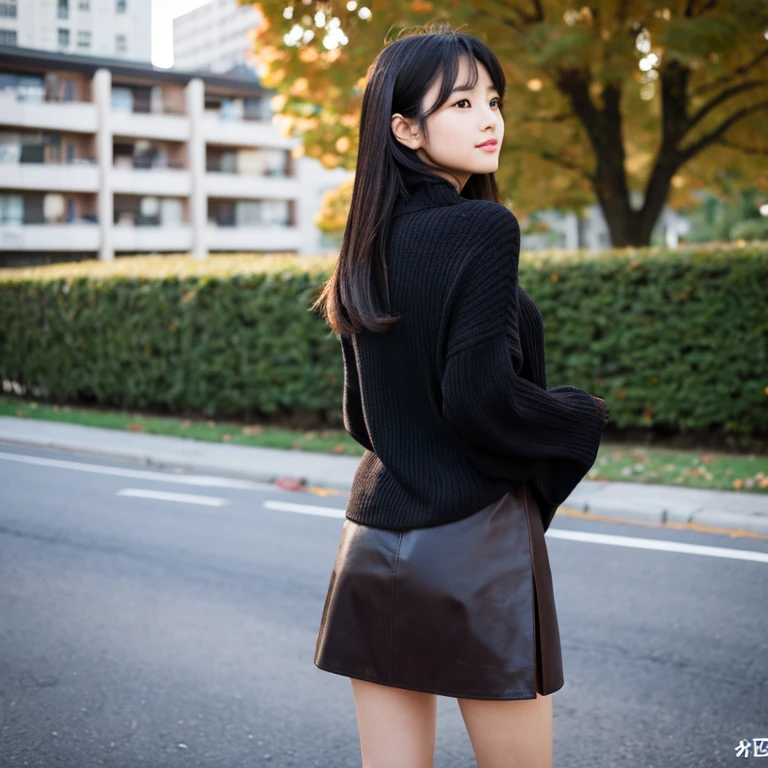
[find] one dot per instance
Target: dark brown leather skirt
(464, 609)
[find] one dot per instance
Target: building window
(10, 147)
(256, 109)
(8, 37)
(121, 6)
(84, 5)
(84, 38)
(63, 38)
(121, 44)
(26, 87)
(8, 9)
(63, 9)
(122, 98)
(11, 209)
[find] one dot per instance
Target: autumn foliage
(632, 105)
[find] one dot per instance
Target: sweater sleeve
(514, 428)
(354, 419)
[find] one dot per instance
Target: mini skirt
(464, 609)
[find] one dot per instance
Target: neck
(425, 190)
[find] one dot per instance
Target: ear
(406, 131)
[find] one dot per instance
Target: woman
(441, 584)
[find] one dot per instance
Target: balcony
(149, 125)
(253, 238)
(175, 238)
(244, 133)
(79, 176)
(50, 237)
(163, 182)
(74, 116)
(247, 186)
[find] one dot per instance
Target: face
(467, 119)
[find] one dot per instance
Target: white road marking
(305, 509)
(308, 509)
(665, 546)
(591, 538)
(161, 477)
(184, 498)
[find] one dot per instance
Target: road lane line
(592, 538)
(665, 546)
(161, 477)
(305, 509)
(184, 498)
(221, 482)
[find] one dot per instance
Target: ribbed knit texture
(452, 404)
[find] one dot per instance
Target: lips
(489, 143)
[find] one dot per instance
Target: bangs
(448, 66)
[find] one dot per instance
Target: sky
(163, 13)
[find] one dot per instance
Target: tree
(614, 101)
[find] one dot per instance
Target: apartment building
(215, 37)
(120, 29)
(101, 157)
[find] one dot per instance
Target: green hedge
(676, 338)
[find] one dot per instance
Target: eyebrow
(490, 88)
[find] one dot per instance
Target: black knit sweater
(452, 404)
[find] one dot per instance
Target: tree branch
(712, 136)
(721, 97)
(549, 118)
(575, 85)
(567, 165)
(738, 72)
(674, 102)
(538, 13)
(553, 158)
(510, 23)
(523, 19)
(706, 7)
(495, 17)
(739, 148)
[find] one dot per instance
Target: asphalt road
(142, 630)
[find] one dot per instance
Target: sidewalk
(631, 501)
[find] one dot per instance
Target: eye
(495, 98)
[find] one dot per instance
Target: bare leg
(510, 734)
(397, 727)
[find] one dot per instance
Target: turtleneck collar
(425, 190)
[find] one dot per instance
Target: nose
(491, 116)
(489, 125)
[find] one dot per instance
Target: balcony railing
(270, 173)
(132, 219)
(8, 159)
(148, 165)
(31, 94)
(61, 221)
(226, 222)
(157, 108)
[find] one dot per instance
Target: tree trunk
(627, 226)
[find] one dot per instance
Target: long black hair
(353, 298)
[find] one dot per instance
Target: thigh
(510, 734)
(397, 726)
